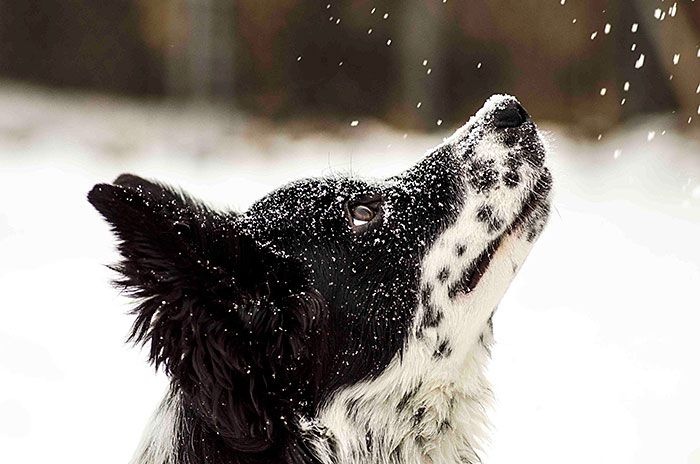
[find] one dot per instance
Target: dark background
(282, 59)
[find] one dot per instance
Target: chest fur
(418, 411)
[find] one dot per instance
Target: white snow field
(598, 346)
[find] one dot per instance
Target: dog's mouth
(470, 279)
(535, 200)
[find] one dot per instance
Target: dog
(338, 320)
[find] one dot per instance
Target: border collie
(338, 320)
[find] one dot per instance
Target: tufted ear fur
(222, 315)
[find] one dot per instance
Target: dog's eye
(361, 215)
(364, 212)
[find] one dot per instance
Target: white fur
(159, 441)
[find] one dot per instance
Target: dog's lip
(471, 278)
(537, 196)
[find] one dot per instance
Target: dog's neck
(408, 414)
(412, 413)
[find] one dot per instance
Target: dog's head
(260, 316)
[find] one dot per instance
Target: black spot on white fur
(432, 316)
(482, 175)
(511, 179)
(405, 400)
(418, 415)
(461, 285)
(489, 217)
(369, 441)
(514, 160)
(426, 293)
(444, 426)
(352, 409)
(510, 138)
(443, 349)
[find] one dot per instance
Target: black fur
(443, 275)
(407, 397)
(443, 349)
(232, 323)
(488, 216)
(482, 175)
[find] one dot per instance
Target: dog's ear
(171, 244)
(227, 318)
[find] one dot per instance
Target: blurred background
(288, 59)
(597, 340)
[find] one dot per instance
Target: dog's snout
(511, 115)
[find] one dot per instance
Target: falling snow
(640, 61)
(623, 211)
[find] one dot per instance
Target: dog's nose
(511, 115)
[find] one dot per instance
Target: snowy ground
(598, 346)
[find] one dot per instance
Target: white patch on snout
(505, 201)
(429, 404)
